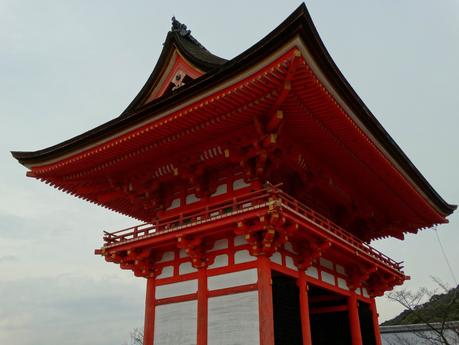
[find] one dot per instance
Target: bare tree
(136, 337)
(439, 329)
(422, 336)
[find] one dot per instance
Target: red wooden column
(149, 326)
(374, 314)
(354, 321)
(202, 306)
(265, 301)
(304, 308)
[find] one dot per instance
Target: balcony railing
(251, 201)
(173, 221)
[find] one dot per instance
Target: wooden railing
(334, 230)
(172, 220)
(261, 198)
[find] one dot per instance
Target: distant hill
(431, 311)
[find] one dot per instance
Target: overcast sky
(67, 66)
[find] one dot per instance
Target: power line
(445, 256)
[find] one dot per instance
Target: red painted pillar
(202, 306)
(374, 314)
(304, 308)
(265, 301)
(149, 326)
(354, 320)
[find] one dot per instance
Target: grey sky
(67, 66)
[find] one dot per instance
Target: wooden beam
(326, 298)
(358, 275)
(265, 301)
(202, 306)
(332, 309)
(110, 196)
(149, 325)
(309, 251)
(275, 121)
(295, 62)
(374, 315)
(304, 309)
(354, 321)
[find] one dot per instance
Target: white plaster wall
(221, 189)
(220, 261)
(276, 258)
(328, 277)
(326, 263)
(243, 256)
(186, 267)
(176, 324)
(240, 183)
(365, 292)
(168, 271)
(227, 280)
(167, 256)
(340, 269)
(240, 240)
(220, 244)
(177, 289)
(233, 319)
(290, 263)
(343, 284)
(289, 247)
(312, 272)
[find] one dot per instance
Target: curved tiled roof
(177, 38)
(217, 70)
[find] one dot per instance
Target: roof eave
(298, 23)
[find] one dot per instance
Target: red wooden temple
(260, 182)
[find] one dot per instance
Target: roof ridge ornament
(183, 31)
(180, 28)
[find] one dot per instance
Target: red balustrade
(175, 220)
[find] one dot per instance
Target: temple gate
(260, 182)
